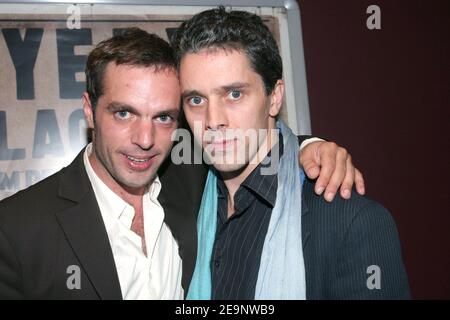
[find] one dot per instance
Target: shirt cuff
(308, 141)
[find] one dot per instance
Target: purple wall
(385, 95)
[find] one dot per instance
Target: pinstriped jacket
(351, 249)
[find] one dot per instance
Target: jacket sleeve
(10, 278)
(303, 138)
(369, 263)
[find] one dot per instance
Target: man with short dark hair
(264, 234)
(96, 228)
(101, 228)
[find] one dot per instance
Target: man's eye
(123, 114)
(195, 101)
(165, 118)
(235, 94)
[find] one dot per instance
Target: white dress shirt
(155, 276)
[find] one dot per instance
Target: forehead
(139, 85)
(216, 67)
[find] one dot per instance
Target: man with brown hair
(96, 229)
(263, 232)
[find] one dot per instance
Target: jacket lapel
(83, 227)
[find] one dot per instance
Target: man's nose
(216, 117)
(143, 134)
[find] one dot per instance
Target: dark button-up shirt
(239, 239)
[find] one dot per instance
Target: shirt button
(217, 263)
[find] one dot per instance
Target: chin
(138, 182)
(229, 168)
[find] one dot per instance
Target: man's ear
(276, 98)
(88, 111)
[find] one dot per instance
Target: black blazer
(49, 227)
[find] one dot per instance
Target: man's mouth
(138, 159)
(139, 163)
(221, 145)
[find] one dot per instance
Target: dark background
(385, 96)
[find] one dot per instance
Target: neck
(233, 180)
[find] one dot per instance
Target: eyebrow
(234, 85)
(116, 106)
(190, 93)
(225, 88)
(173, 112)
